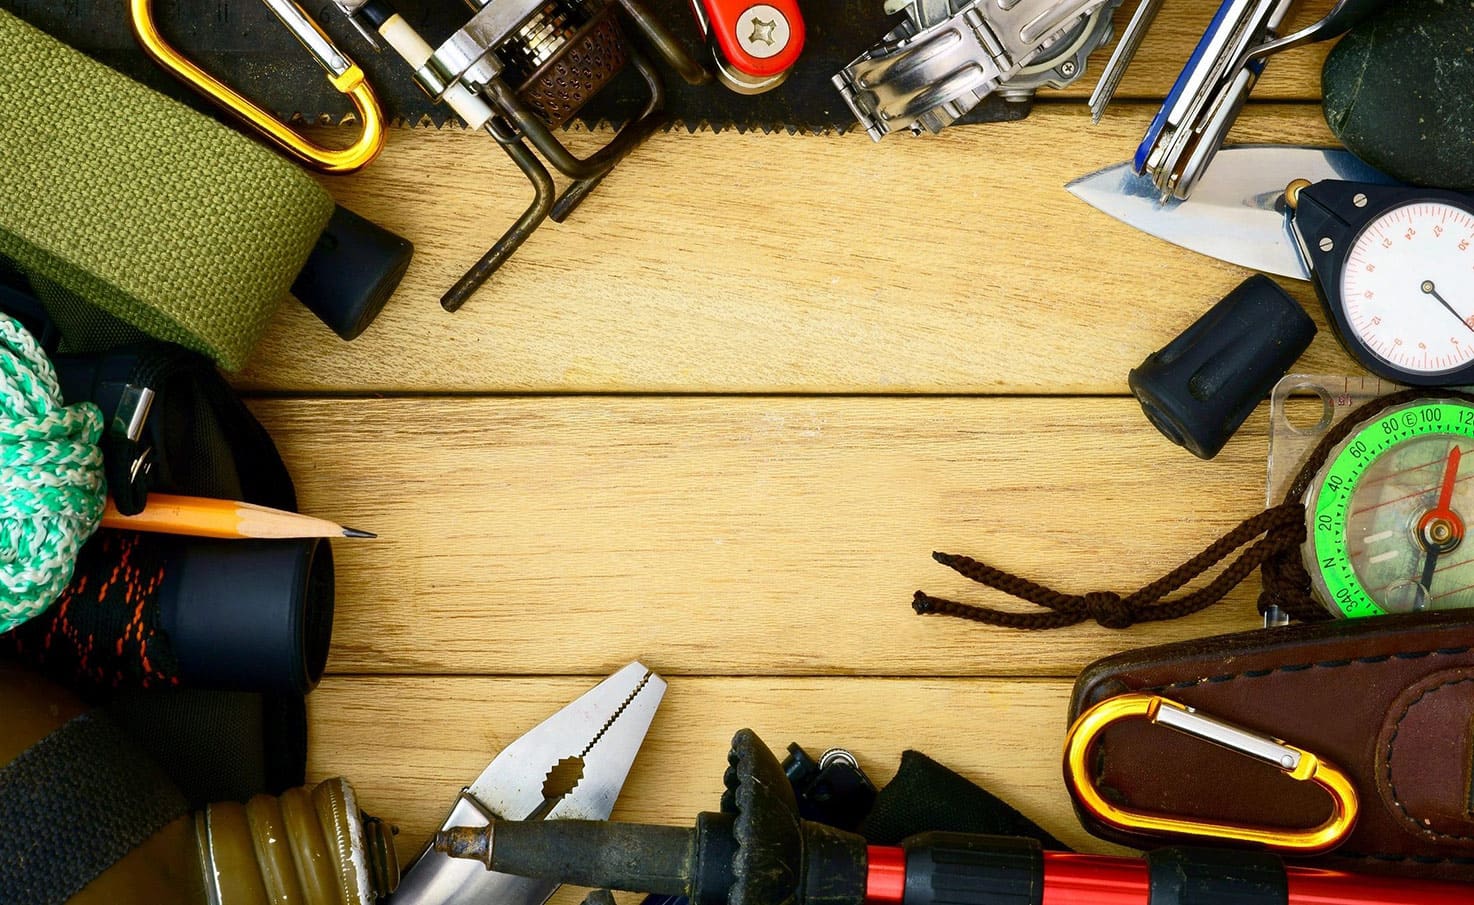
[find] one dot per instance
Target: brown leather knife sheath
(1389, 700)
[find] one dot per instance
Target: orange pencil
(203, 517)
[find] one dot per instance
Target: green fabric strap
(162, 218)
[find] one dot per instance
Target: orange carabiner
(343, 73)
(1297, 763)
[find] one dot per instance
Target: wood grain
(746, 536)
(409, 745)
(749, 263)
(967, 327)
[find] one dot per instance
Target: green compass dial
(1385, 514)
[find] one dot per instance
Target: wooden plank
(410, 744)
(742, 263)
(746, 535)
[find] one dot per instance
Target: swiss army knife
(754, 43)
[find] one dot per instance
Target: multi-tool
(948, 55)
(520, 69)
(1238, 211)
(753, 43)
(1195, 118)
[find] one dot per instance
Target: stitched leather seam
(1387, 759)
(1315, 664)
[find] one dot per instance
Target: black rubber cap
(1209, 876)
(1199, 388)
(965, 868)
(354, 268)
(249, 615)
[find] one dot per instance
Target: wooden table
(719, 421)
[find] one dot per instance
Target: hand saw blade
(1237, 212)
(241, 43)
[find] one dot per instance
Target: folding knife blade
(1237, 212)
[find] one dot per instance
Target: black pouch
(173, 424)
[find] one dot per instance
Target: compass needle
(1391, 493)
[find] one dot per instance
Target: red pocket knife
(754, 42)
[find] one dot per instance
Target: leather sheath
(1389, 700)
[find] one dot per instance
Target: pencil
(203, 517)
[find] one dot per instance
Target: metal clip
(1297, 763)
(343, 73)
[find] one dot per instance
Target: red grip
(771, 30)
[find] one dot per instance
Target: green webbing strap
(115, 195)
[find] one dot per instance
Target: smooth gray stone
(1399, 92)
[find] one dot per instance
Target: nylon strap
(162, 218)
(73, 804)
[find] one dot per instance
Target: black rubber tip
(354, 268)
(1199, 389)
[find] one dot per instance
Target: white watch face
(1407, 287)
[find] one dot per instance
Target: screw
(1360, 200)
(763, 31)
(1326, 244)
(1067, 69)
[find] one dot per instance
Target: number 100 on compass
(1387, 513)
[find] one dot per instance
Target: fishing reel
(522, 68)
(947, 56)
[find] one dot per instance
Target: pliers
(570, 766)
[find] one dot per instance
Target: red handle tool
(937, 868)
(754, 42)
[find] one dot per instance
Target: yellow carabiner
(1297, 763)
(343, 73)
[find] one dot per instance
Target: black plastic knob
(1199, 388)
(353, 269)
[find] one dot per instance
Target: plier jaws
(570, 766)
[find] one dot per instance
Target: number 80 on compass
(1386, 513)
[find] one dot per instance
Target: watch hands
(1440, 529)
(1430, 289)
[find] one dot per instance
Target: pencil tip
(354, 532)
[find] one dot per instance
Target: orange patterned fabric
(104, 629)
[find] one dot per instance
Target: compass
(1386, 514)
(1394, 268)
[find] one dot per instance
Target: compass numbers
(1407, 287)
(1368, 513)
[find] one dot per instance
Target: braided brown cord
(1277, 555)
(1282, 525)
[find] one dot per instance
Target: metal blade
(1125, 52)
(1237, 211)
(571, 765)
